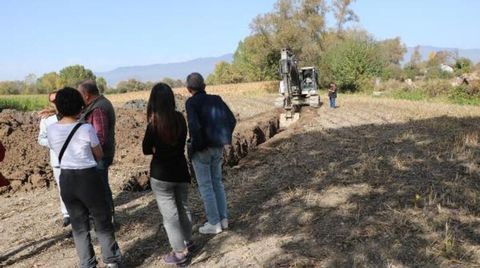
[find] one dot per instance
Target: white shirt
(78, 154)
(43, 140)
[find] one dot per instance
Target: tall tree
(416, 57)
(72, 75)
(48, 82)
(343, 13)
(101, 84)
(392, 50)
(11, 87)
(30, 84)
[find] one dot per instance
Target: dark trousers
(84, 196)
(102, 168)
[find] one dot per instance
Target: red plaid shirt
(99, 120)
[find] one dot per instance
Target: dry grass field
(374, 183)
(254, 98)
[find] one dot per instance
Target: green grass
(464, 100)
(415, 95)
(420, 95)
(23, 102)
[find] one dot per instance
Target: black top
(210, 121)
(332, 94)
(168, 162)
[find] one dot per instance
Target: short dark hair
(195, 82)
(69, 102)
(90, 87)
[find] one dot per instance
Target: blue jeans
(208, 170)
(332, 102)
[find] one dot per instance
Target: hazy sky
(47, 35)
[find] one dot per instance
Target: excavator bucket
(286, 119)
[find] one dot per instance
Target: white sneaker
(224, 224)
(208, 228)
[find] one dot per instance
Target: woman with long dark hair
(165, 138)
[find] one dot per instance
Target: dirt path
(374, 183)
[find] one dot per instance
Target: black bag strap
(77, 126)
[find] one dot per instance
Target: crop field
(377, 182)
(23, 102)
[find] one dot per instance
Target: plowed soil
(373, 183)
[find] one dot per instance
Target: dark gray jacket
(109, 146)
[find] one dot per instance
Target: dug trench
(27, 163)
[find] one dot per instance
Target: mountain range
(156, 72)
(205, 66)
(472, 54)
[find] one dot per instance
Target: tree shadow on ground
(147, 218)
(33, 248)
(401, 194)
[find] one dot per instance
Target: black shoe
(66, 221)
(192, 249)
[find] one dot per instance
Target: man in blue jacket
(210, 125)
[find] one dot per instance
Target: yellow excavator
(298, 87)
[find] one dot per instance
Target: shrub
(409, 94)
(435, 87)
(351, 63)
(391, 85)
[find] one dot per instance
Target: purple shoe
(173, 258)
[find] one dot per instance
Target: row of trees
(72, 76)
(68, 76)
(135, 85)
(347, 56)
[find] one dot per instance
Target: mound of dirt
(27, 166)
(26, 163)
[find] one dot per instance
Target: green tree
(352, 61)
(224, 73)
(414, 66)
(48, 82)
(173, 83)
(255, 59)
(101, 84)
(392, 50)
(72, 75)
(463, 65)
(132, 85)
(11, 87)
(435, 59)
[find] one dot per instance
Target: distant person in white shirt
(81, 187)
(49, 116)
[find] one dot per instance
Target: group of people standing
(81, 137)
